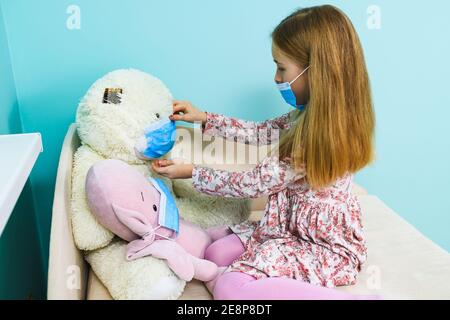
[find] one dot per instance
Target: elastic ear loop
(306, 69)
(153, 234)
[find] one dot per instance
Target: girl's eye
(155, 208)
(281, 69)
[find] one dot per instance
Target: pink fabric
(225, 250)
(240, 286)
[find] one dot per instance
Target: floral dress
(313, 236)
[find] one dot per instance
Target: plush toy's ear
(134, 220)
(140, 225)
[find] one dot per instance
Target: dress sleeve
(248, 132)
(270, 176)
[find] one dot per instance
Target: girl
(311, 238)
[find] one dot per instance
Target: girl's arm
(270, 176)
(248, 132)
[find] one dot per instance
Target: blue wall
(21, 265)
(217, 55)
(10, 117)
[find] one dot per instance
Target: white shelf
(18, 153)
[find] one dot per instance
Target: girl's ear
(134, 220)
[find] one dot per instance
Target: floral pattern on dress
(248, 132)
(310, 235)
(269, 176)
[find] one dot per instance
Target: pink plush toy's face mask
(124, 201)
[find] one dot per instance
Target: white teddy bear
(110, 120)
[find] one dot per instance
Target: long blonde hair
(335, 133)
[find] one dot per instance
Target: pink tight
(226, 246)
(240, 286)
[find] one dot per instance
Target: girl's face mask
(288, 94)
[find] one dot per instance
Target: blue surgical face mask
(169, 216)
(288, 94)
(158, 140)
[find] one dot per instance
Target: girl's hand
(185, 111)
(172, 169)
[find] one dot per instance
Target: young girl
(311, 238)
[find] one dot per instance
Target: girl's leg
(223, 251)
(217, 233)
(241, 286)
(212, 283)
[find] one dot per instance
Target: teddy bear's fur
(146, 278)
(109, 131)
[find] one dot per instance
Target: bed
(402, 263)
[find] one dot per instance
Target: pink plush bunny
(142, 211)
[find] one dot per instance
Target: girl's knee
(216, 252)
(223, 251)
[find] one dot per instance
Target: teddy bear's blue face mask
(158, 140)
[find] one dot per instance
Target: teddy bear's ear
(134, 220)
